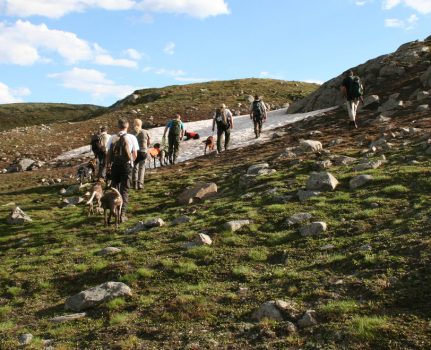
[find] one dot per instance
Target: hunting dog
(157, 153)
(86, 171)
(96, 194)
(113, 202)
(209, 144)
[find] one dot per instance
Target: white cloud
(195, 8)
(164, 71)
(23, 43)
(8, 95)
(92, 81)
(407, 24)
(313, 81)
(421, 6)
(59, 8)
(362, 2)
(169, 48)
(133, 54)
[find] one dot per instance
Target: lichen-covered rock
(322, 181)
(313, 229)
(18, 217)
(198, 192)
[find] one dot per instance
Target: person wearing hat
(224, 121)
(258, 114)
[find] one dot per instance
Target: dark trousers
(257, 126)
(174, 147)
(220, 134)
(101, 158)
(121, 176)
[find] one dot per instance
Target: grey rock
(343, 160)
(268, 311)
(145, 226)
(305, 195)
(235, 225)
(359, 181)
(181, 220)
(289, 153)
(371, 101)
(423, 95)
(97, 295)
(62, 192)
(391, 70)
(423, 108)
(18, 217)
(426, 78)
(299, 218)
(335, 142)
(322, 181)
(68, 318)
(308, 319)
(198, 192)
(254, 169)
(391, 104)
(25, 164)
(109, 251)
(313, 229)
(291, 328)
(323, 164)
(310, 146)
(368, 165)
(73, 200)
(289, 309)
(246, 181)
(25, 339)
(203, 239)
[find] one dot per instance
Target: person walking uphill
(352, 91)
(258, 114)
(144, 141)
(122, 151)
(176, 133)
(223, 119)
(98, 146)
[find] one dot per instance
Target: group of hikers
(122, 157)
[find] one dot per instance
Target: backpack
(96, 145)
(258, 110)
(356, 88)
(120, 151)
(175, 128)
(221, 121)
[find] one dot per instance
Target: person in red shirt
(191, 135)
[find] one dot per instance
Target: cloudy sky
(98, 51)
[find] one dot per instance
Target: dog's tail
(91, 198)
(116, 191)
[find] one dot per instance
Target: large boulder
(17, 217)
(322, 181)
(307, 146)
(268, 310)
(97, 295)
(371, 102)
(198, 192)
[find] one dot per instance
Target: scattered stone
(18, 217)
(73, 200)
(268, 310)
(254, 169)
(67, 318)
(313, 229)
(144, 226)
(423, 108)
(310, 146)
(62, 192)
(25, 339)
(371, 101)
(343, 160)
(200, 191)
(298, 218)
(322, 181)
(25, 164)
(291, 328)
(368, 165)
(109, 251)
(288, 308)
(308, 319)
(374, 205)
(235, 225)
(323, 164)
(203, 239)
(335, 142)
(97, 295)
(359, 181)
(305, 195)
(289, 153)
(181, 220)
(327, 247)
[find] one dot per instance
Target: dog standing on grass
(209, 144)
(86, 171)
(96, 194)
(113, 202)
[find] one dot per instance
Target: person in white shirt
(122, 152)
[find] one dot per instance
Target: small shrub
(7, 325)
(200, 252)
(243, 272)
(14, 291)
(185, 268)
(396, 189)
(130, 278)
(146, 300)
(340, 307)
(143, 272)
(5, 311)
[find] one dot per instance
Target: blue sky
(99, 51)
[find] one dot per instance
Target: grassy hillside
(194, 102)
(367, 277)
(27, 114)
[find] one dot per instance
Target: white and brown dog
(113, 202)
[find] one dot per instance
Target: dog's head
(156, 146)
